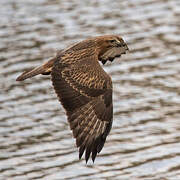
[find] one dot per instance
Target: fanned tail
(45, 69)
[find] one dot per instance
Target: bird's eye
(112, 41)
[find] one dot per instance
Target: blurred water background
(35, 138)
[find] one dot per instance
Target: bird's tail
(44, 69)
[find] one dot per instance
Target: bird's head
(109, 47)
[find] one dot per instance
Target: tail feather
(30, 73)
(44, 69)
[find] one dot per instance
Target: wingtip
(93, 160)
(80, 157)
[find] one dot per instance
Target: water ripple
(35, 139)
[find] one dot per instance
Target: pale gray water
(35, 139)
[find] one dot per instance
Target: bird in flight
(84, 88)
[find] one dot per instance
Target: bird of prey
(84, 88)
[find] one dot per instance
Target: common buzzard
(84, 88)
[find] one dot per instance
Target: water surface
(35, 138)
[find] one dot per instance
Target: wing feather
(85, 91)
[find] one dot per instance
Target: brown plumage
(85, 89)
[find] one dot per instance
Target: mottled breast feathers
(85, 91)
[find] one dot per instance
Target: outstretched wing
(85, 91)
